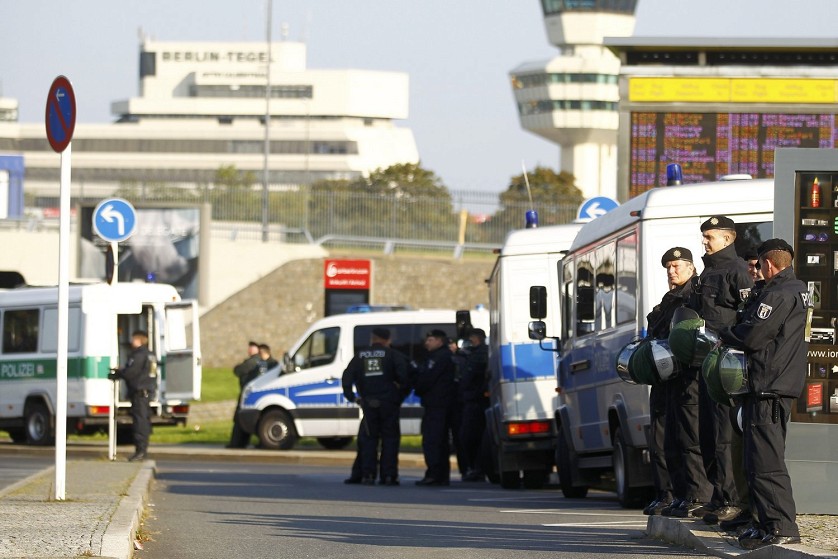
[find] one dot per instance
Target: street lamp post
(265, 173)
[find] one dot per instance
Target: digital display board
(711, 145)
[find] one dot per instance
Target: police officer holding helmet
(771, 333)
(677, 468)
(378, 375)
(718, 293)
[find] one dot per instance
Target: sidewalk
(98, 518)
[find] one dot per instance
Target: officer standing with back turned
(771, 333)
(378, 375)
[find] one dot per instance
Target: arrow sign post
(592, 208)
(60, 121)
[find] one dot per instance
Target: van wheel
(276, 431)
(38, 424)
(334, 443)
(629, 497)
(569, 490)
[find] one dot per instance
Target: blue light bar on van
(532, 219)
(673, 174)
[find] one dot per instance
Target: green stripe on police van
(38, 369)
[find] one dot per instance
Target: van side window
(319, 349)
(49, 333)
(566, 275)
(20, 331)
(604, 297)
(627, 278)
(585, 294)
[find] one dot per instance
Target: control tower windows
(553, 7)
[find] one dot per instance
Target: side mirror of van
(537, 330)
(538, 302)
(286, 363)
(463, 319)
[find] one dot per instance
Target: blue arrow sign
(60, 116)
(114, 220)
(592, 208)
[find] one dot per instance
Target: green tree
(233, 195)
(554, 197)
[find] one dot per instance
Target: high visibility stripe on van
(40, 368)
(527, 361)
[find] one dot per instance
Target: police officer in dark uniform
(677, 467)
(473, 388)
(718, 294)
(378, 376)
(435, 385)
(245, 371)
(771, 333)
(141, 384)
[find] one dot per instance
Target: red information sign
(347, 274)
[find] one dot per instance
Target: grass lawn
(218, 384)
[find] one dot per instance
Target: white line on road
(570, 513)
(623, 524)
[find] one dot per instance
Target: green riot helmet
(733, 371)
(710, 372)
(682, 339)
(623, 360)
(681, 314)
(641, 364)
(665, 365)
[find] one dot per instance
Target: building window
(552, 7)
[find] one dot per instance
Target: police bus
(609, 281)
(303, 397)
(101, 320)
(520, 432)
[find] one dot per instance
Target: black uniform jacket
(722, 287)
(659, 319)
(771, 333)
(378, 374)
(247, 370)
(435, 383)
(473, 382)
(136, 371)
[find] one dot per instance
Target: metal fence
(301, 214)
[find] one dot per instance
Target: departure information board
(710, 145)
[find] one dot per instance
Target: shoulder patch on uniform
(744, 293)
(807, 302)
(764, 311)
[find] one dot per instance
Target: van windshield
(319, 349)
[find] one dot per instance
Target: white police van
(608, 282)
(101, 320)
(520, 432)
(303, 397)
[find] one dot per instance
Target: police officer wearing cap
(677, 468)
(771, 333)
(718, 294)
(435, 385)
(378, 376)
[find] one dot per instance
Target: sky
(458, 54)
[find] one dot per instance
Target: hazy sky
(458, 54)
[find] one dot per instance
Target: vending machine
(806, 215)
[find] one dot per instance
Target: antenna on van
(531, 215)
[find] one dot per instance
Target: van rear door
(182, 352)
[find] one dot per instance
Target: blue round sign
(114, 219)
(594, 207)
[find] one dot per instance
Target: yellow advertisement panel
(732, 90)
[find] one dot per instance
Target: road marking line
(569, 513)
(625, 524)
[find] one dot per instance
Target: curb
(118, 539)
(710, 540)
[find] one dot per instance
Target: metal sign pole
(114, 361)
(63, 326)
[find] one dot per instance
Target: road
(212, 510)
(16, 468)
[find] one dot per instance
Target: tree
(554, 196)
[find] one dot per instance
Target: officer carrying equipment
(647, 362)
(690, 341)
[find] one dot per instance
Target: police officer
(771, 333)
(677, 468)
(436, 387)
(141, 384)
(718, 293)
(378, 376)
(245, 371)
(473, 388)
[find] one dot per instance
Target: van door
(181, 366)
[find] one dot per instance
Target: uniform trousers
(657, 418)
(683, 449)
(140, 418)
(381, 423)
(715, 434)
(765, 424)
(436, 424)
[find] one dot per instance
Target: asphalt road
(16, 468)
(212, 510)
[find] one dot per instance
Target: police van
(520, 432)
(608, 282)
(303, 397)
(101, 320)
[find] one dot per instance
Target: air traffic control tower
(573, 99)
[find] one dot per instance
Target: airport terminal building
(202, 105)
